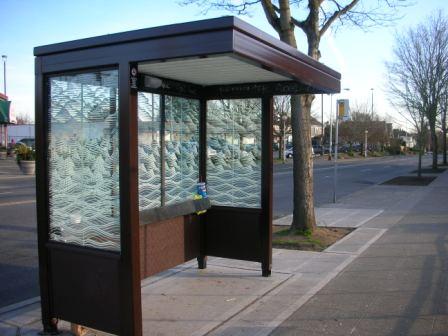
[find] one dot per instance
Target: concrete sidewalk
(385, 278)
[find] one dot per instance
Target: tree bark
(420, 153)
(434, 145)
(444, 136)
(303, 215)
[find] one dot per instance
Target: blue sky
(357, 54)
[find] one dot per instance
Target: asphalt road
(352, 176)
(18, 234)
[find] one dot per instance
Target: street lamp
(4, 57)
(371, 89)
(322, 125)
(284, 118)
(365, 143)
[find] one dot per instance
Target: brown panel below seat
(234, 233)
(86, 286)
(168, 243)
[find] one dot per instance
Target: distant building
(409, 140)
(316, 131)
(316, 128)
(19, 132)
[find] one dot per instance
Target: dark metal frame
(62, 265)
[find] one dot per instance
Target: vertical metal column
(266, 184)
(202, 259)
(41, 119)
(131, 310)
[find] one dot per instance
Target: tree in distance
(418, 77)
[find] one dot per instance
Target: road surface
(352, 176)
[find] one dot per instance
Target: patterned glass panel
(181, 148)
(83, 159)
(149, 181)
(234, 152)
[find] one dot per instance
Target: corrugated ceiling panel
(218, 70)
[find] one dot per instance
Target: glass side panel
(234, 152)
(181, 148)
(149, 181)
(83, 159)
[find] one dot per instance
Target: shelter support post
(131, 311)
(202, 258)
(266, 186)
(48, 322)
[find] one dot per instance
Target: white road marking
(17, 203)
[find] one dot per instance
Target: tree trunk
(444, 137)
(303, 215)
(434, 145)
(420, 154)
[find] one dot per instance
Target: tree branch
(271, 15)
(337, 14)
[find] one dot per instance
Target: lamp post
(4, 57)
(330, 149)
(322, 125)
(371, 89)
(365, 143)
(336, 144)
(284, 118)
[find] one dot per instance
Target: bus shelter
(127, 125)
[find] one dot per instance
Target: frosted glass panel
(149, 181)
(83, 159)
(181, 148)
(234, 152)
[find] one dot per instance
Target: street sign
(343, 109)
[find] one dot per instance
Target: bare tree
(23, 119)
(282, 122)
(405, 97)
(353, 130)
(314, 18)
(419, 74)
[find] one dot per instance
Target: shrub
(25, 153)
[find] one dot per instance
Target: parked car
(29, 142)
(288, 152)
(318, 150)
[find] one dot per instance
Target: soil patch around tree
(317, 241)
(431, 171)
(410, 181)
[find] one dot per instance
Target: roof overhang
(210, 53)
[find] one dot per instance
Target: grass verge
(317, 241)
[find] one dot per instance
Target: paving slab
(357, 241)
(193, 302)
(27, 315)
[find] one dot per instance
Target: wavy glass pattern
(181, 148)
(149, 181)
(83, 158)
(234, 152)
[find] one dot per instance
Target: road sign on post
(342, 113)
(343, 109)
